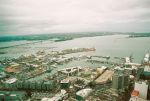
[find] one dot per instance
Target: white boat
(147, 58)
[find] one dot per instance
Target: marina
(72, 74)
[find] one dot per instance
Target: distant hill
(132, 35)
(65, 36)
(58, 36)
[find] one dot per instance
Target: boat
(146, 62)
(147, 58)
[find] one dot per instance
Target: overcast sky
(47, 16)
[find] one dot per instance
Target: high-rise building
(120, 81)
(126, 80)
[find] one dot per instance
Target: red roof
(135, 93)
(11, 69)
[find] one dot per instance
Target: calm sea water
(112, 45)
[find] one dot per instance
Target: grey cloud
(32, 16)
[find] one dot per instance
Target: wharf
(105, 62)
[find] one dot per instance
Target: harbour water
(111, 45)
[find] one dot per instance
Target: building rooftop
(104, 77)
(11, 80)
(84, 92)
(12, 69)
(135, 93)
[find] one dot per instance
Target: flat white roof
(12, 80)
(84, 92)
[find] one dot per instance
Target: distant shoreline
(65, 36)
(18, 45)
(60, 37)
(134, 35)
(40, 38)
